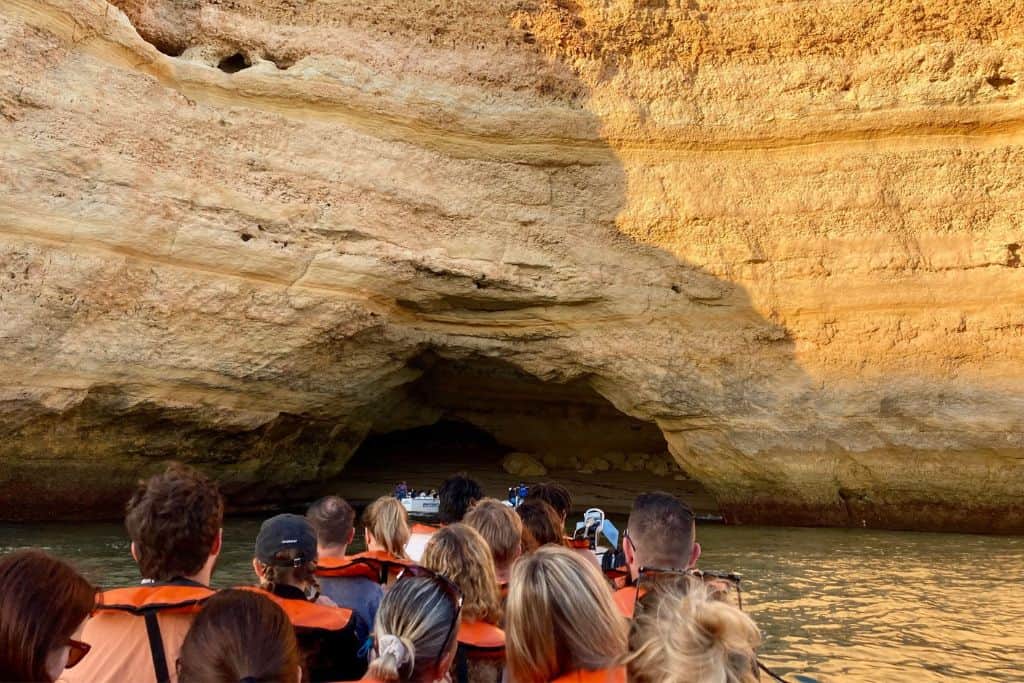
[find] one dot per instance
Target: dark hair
(173, 519)
(555, 495)
(663, 528)
(333, 519)
(43, 602)
(240, 634)
(541, 525)
(456, 495)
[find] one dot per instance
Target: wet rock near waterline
(782, 245)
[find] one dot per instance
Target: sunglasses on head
(450, 588)
(720, 584)
(77, 650)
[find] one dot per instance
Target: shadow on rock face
(260, 265)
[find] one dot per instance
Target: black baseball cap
(286, 532)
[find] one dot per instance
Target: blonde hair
(560, 618)
(500, 527)
(688, 637)
(412, 621)
(460, 553)
(388, 523)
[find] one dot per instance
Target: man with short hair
(502, 528)
(174, 520)
(661, 534)
(333, 519)
(457, 494)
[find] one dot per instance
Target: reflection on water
(845, 605)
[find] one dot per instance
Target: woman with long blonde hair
(460, 553)
(686, 636)
(387, 527)
(561, 623)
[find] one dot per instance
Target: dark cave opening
(469, 414)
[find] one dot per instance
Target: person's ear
(351, 535)
(135, 553)
(218, 543)
(629, 551)
(257, 567)
(694, 555)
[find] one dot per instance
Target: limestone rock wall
(789, 235)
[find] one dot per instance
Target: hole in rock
(234, 63)
(999, 82)
(1013, 255)
(475, 415)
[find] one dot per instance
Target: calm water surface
(842, 605)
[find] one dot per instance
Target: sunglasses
(447, 585)
(77, 650)
(720, 584)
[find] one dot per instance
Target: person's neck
(332, 550)
(375, 547)
(503, 573)
(204, 576)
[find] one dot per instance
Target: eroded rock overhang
(792, 243)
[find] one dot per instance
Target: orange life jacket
(376, 565)
(139, 600)
(481, 640)
(625, 599)
(305, 614)
(425, 529)
(615, 675)
(137, 632)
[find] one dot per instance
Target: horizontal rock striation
(789, 237)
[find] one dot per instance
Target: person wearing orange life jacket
(460, 554)
(416, 629)
(353, 585)
(328, 635)
(661, 534)
(137, 632)
(561, 623)
(456, 496)
(502, 529)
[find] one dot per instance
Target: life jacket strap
(156, 648)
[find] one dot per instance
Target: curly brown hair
(174, 519)
(460, 553)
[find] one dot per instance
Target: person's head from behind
(459, 553)
(502, 529)
(44, 603)
(415, 631)
(240, 635)
(687, 637)
(174, 520)
(286, 553)
(541, 525)
(386, 525)
(555, 495)
(661, 533)
(333, 519)
(560, 617)
(456, 495)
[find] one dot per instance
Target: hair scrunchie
(388, 644)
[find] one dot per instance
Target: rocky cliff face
(787, 236)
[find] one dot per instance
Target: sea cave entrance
(502, 425)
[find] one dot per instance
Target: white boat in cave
(421, 505)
